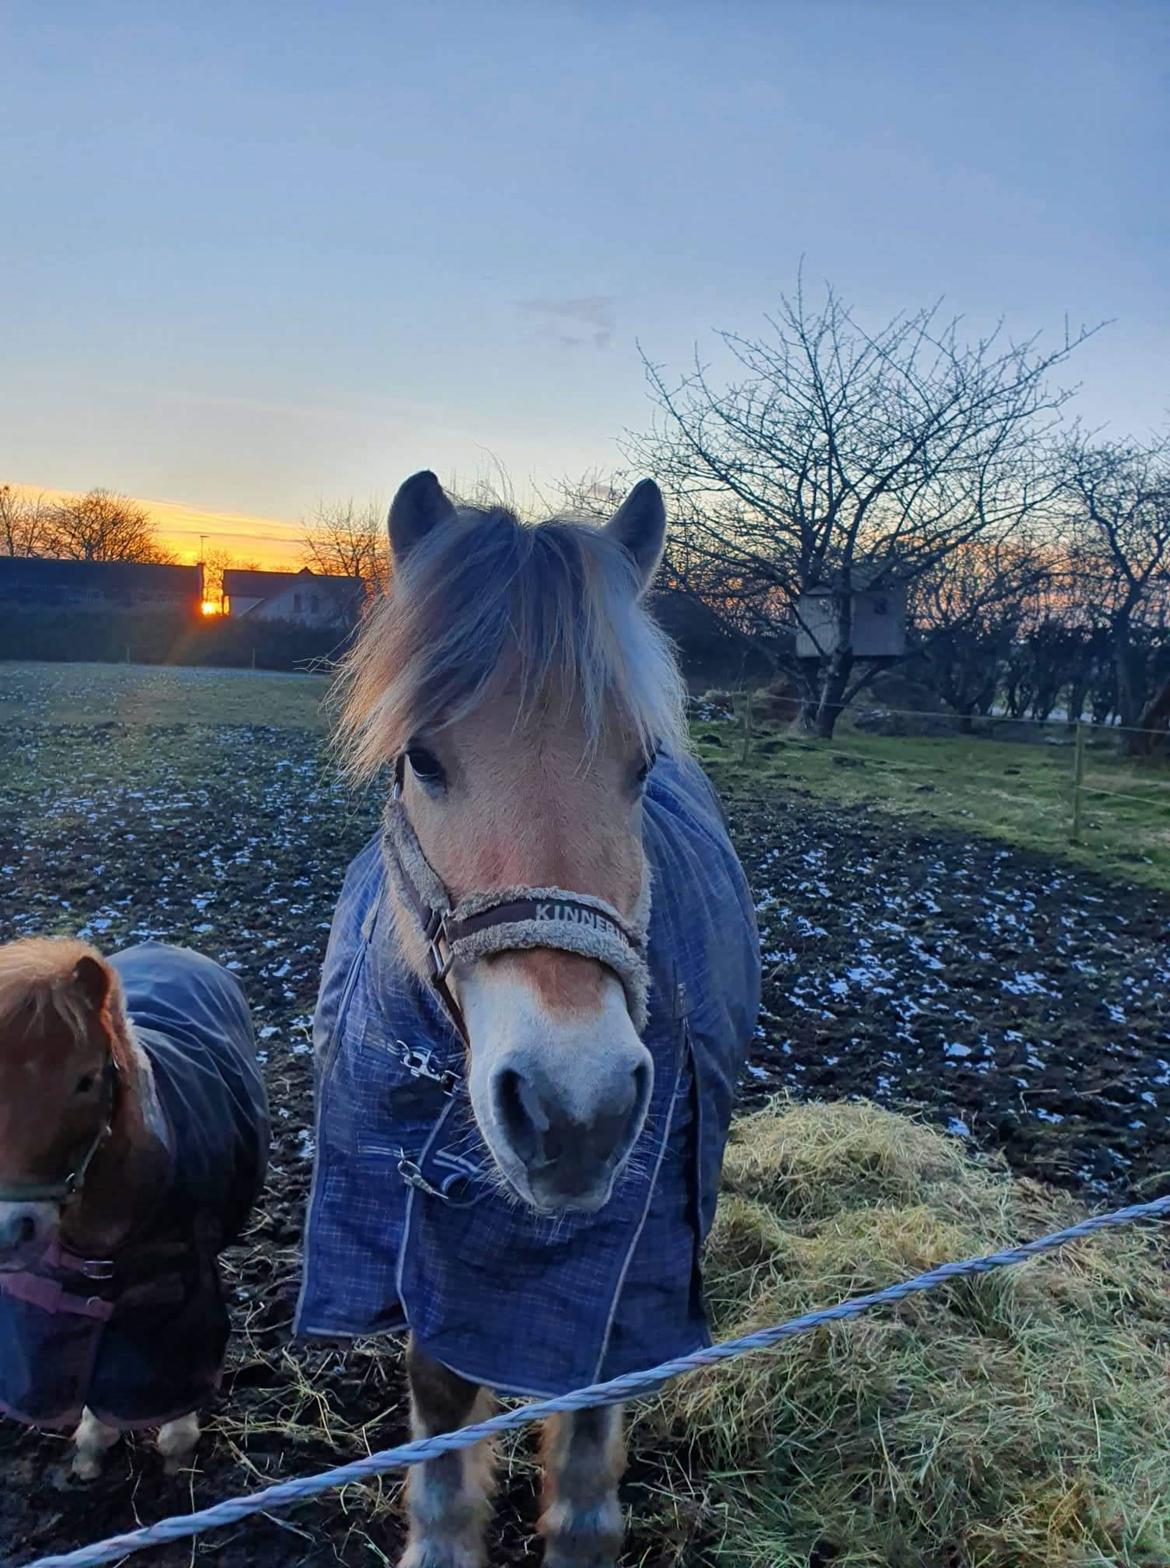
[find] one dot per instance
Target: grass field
(1018, 792)
(149, 696)
(931, 944)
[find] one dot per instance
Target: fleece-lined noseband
(511, 919)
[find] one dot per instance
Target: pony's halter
(69, 1186)
(511, 919)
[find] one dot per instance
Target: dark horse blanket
(139, 1338)
(408, 1225)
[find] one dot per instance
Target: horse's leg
(447, 1497)
(91, 1441)
(177, 1441)
(584, 1456)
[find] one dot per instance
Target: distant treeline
(150, 637)
(709, 651)
(709, 655)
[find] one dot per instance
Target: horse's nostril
(17, 1231)
(521, 1115)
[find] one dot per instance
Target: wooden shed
(879, 623)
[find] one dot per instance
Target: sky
(258, 254)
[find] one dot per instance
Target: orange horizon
(272, 543)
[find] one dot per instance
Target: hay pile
(1021, 1420)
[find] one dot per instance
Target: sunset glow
(190, 532)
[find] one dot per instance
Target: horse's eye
(644, 771)
(425, 766)
(85, 1083)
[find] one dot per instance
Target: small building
(33, 580)
(306, 598)
(879, 623)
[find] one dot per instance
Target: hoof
(570, 1560)
(78, 1476)
(177, 1442)
(440, 1555)
(603, 1557)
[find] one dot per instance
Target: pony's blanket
(139, 1338)
(408, 1225)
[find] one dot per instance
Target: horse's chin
(25, 1258)
(545, 1199)
(583, 1205)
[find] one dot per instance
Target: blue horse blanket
(407, 1227)
(139, 1338)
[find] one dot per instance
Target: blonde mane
(552, 606)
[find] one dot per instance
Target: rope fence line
(1121, 794)
(615, 1390)
(863, 705)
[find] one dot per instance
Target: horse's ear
(420, 505)
(639, 526)
(92, 980)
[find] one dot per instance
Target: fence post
(747, 724)
(1078, 781)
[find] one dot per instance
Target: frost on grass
(1012, 993)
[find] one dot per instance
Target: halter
(512, 919)
(70, 1185)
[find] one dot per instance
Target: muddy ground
(1017, 1002)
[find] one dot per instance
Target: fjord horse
(541, 981)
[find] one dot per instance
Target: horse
(540, 983)
(133, 1145)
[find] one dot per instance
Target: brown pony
(91, 1233)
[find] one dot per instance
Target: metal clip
(440, 966)
(413, 1176)
(419, 1063)
(97, 1268)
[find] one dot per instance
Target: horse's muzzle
(25, 1229)
(570, 1148)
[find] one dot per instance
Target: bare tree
(102, 526)
(22, 523)
(1119, 499)
(750, 613)
(215, 563)
(348, 539)
(969, 611)
(841, 458)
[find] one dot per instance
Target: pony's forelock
(552, 607)
(36, 976)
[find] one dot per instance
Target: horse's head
(517, 683)
(59, 1003)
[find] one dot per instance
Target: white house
(306, 598)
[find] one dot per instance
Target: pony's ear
(91, 979)
(639, 526)
(420, 505)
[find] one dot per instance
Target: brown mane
(36, 974)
